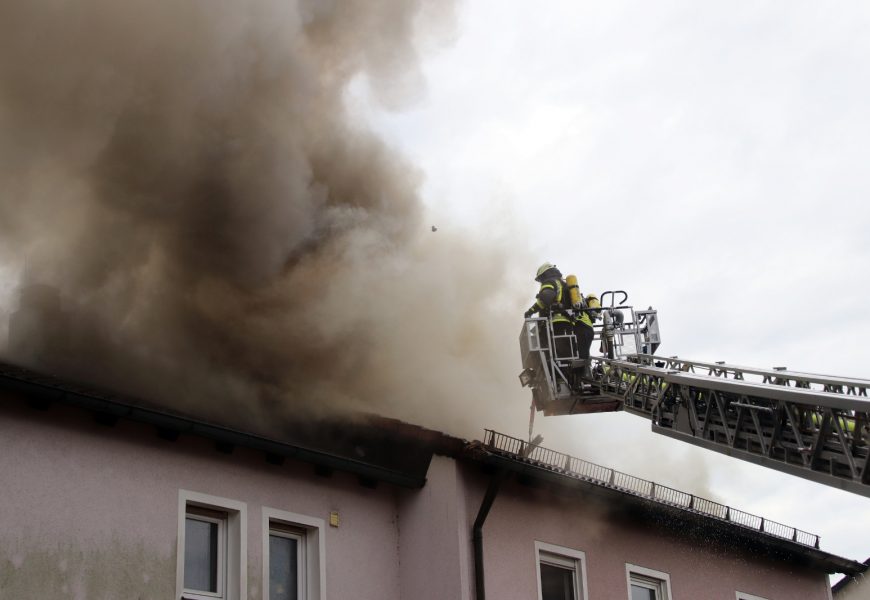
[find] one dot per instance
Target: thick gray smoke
(221, 229)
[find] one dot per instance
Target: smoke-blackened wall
(226, 236)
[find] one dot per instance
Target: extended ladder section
(813, 426)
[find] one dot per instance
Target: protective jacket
(553, 291)
(582, 316)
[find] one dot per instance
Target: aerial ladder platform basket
(552, 364)
(810, 425)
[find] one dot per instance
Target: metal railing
(849, 386)
(571, 466)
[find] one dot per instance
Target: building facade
(101, 500)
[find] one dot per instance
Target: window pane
(200, 555)
(642, 593)
(557, 583)
(283, 568)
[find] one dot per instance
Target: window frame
(312, 550)
(301, 566)
(566, 558)
(221, 567)
(232, 544)
(659, 581)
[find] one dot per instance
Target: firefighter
(584, 331)
(550, 302)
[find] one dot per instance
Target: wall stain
(69, 571)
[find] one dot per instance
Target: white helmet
(543, 269)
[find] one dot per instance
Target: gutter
(477, 532)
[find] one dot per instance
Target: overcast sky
(710, 158)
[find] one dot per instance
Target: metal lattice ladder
(813, 426)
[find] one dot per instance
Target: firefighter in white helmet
(554, 300)
(551, 301)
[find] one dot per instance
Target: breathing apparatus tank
(577, 299)
(592, 301)
(573, 290)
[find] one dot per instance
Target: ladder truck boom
(810, 425)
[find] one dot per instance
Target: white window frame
(312, 550)
(567, 558)
(232, 544)
(654, 580)
(221, 523)
(745, 596)
(301, 566)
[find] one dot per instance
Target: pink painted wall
(435, 542)
(89, 512)
(520, 516)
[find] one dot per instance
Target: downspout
(477, 532)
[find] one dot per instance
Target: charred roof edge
(52, 391)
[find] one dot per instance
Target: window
(205, 549)
(293, 550)
(561, 572)
(647, 584)
(286, 563)
(211, 557)
(745, 596)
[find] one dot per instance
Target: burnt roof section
(695, 517)
(374, 448)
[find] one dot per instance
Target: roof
(374, 448)
(652, 502)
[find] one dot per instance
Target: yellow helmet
(543, 269)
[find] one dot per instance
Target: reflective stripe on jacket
(557, 286)
(583, 316)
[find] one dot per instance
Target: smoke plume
(224, 234)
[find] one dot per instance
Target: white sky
(708, 158)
